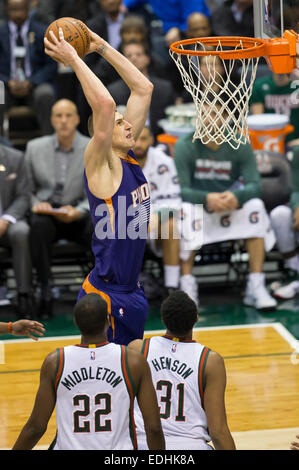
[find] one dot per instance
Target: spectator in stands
(277, 93)
(285, 222)
(160, 172)
(108, 21)
(213, 4)
(198, 25)
(173, 15)
(233, 18)
(28, 73)
(55, 166)
(227, 183)
(133, 29)
(47, 11)
(163, 94)
(14, 229)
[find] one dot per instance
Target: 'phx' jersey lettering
(95, 396)
(121, 227)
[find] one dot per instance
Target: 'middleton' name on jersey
(173, 365)
(91, 373)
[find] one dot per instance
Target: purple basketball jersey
(120, 229)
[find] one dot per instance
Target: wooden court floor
(262, 364)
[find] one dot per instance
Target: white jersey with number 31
(177, 369)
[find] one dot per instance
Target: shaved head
(198, 25)
(63, 104)
(65, 118)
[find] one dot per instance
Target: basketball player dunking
(117, 190)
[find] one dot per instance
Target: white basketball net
(226, 122)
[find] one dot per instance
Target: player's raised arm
(98, 97)
(141, 88)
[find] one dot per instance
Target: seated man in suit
(14, 230)
(28, 73)
(163, 94)
(59, 204)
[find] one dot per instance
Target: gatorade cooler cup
(268, 131)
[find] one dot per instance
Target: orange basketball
(75, 32)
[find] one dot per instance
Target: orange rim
(252, 47)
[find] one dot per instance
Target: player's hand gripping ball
(75, 33)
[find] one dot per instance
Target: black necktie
(20, 42)
(20, 59)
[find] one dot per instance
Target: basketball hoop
(221, 101)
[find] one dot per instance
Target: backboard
(268, 18)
